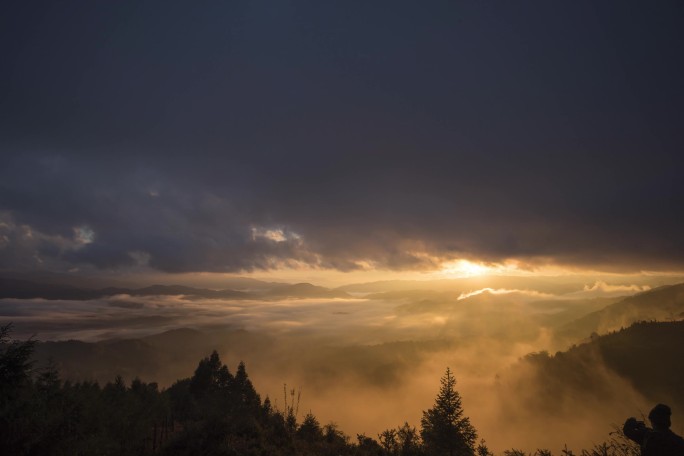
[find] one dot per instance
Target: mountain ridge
(24, 289)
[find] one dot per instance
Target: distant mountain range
(557, 285)
(24, 289)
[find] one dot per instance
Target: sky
(344, 137)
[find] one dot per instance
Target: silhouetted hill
(75, 280)
(23, 289)
(663, 303)
(219, 282)
(647, 355)
(94, 282)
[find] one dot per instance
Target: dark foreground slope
(648, 354)
(217, 412)
(646, 357)
(214, 412)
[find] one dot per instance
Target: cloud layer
(272, 135)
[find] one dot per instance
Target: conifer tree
(445, 429)
(15, 360)
(310, 429)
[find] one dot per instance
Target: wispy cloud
(505, 291)
(607, 288)
(602, 288)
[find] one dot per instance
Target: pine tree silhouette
(445, 429)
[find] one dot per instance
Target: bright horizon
(460, 269)
(490, 186)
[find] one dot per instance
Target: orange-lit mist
(373, 360)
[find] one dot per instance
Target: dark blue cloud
(363, 131)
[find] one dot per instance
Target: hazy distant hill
(97, 282)
(101, 361)
(218, 283)
(513, 316)
(542, 284)
(664, 303)
(163, 357)
(302, 290)
(174, 290)
(68, 280)
(558, 313)
(557, 285)
(23, 289)
(158, 358)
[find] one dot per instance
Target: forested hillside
(647, 355)
(218, 412)
(590, 389)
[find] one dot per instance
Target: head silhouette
(660, 416)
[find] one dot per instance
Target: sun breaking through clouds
(453, 139)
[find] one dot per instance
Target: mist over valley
(369, 360)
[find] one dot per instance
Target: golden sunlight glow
(465, 268)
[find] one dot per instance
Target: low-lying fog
(371, 361)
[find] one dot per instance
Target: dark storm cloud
(240, 135)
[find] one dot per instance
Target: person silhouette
(656, 441)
